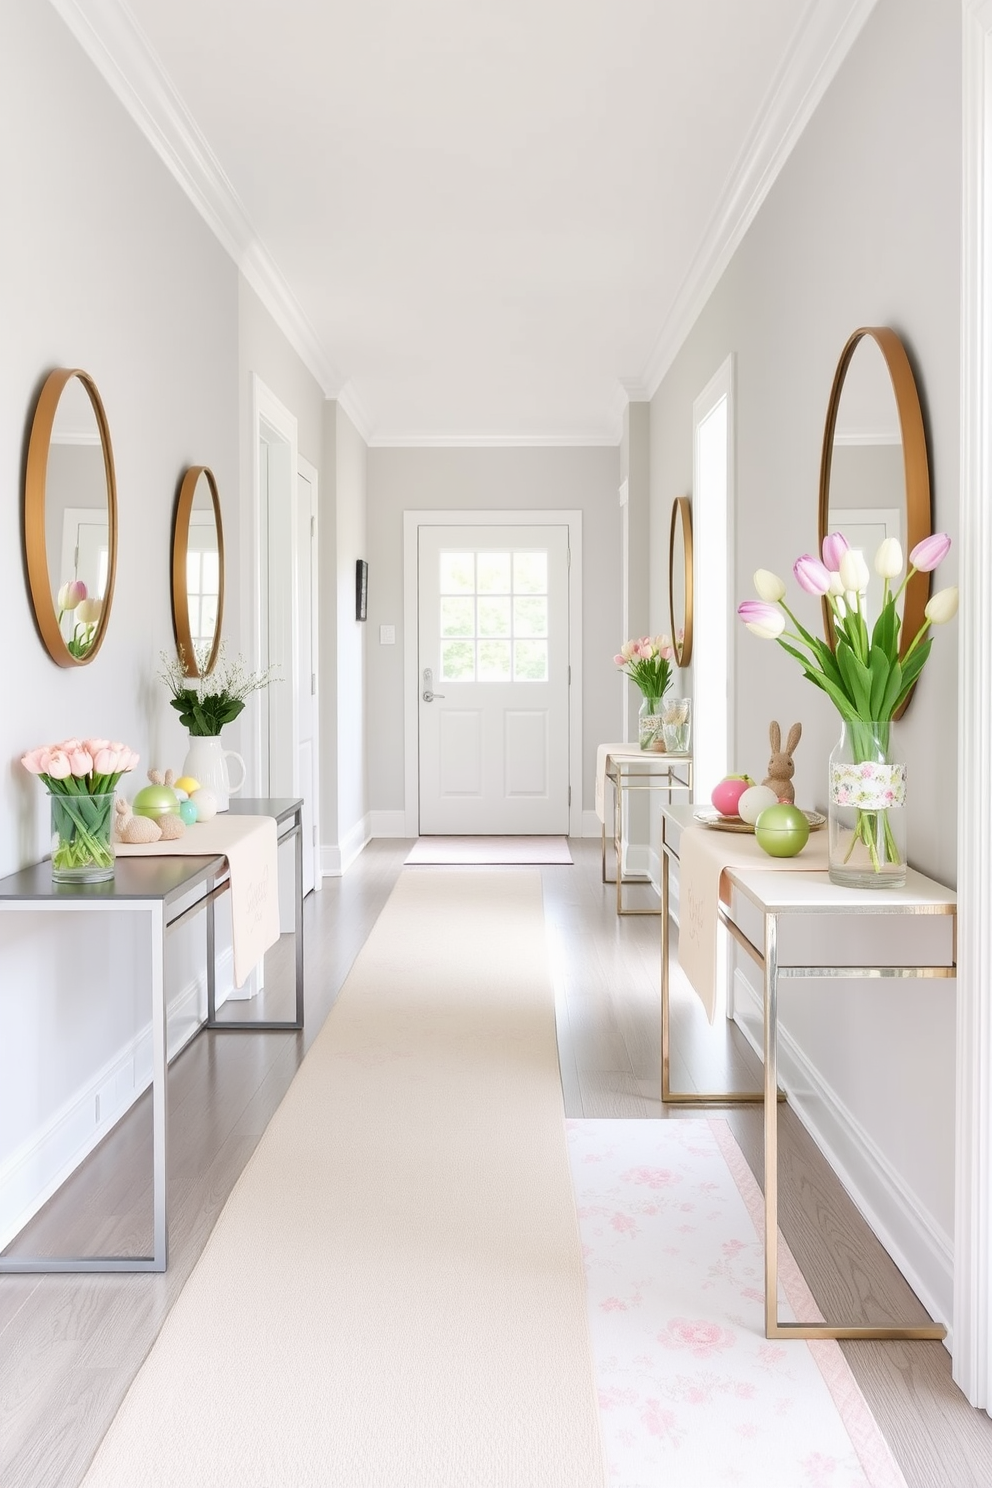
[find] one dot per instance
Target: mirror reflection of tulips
(73, 599)
(81, 776)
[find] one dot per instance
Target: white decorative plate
(708, 816)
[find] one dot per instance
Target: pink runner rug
(691, 1393)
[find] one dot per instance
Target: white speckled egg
(205, 802)
(753, 802)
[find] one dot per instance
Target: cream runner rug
(489, 850)
(393, 1296)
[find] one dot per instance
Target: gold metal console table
(785, 922)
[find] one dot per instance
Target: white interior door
(494, 678)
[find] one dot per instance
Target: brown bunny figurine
(781, 767)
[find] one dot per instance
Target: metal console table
(630, 771)
(158, 889)
(787, 923)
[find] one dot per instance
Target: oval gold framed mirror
(874, 472)
(70, 517)
(680, 580)
(198, 572)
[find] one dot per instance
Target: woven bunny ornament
(781, 767)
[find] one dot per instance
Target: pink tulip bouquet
(648, 662)
(81, 776)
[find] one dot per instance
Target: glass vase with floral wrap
(648, 662)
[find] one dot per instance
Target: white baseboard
(334, 861)
(387, 823)
(32, 1173)
(919, 1246)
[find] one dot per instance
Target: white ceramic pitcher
(207, 761)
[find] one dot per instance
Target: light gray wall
(352, 640)
(104, 265)
(401, 480)
(862, 227)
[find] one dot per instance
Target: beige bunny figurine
(781, 767)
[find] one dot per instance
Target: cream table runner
(249, 845)
(704, 854)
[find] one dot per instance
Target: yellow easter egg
(187, 784)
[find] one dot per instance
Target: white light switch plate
(387, 635)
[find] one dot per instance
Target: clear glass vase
(82, 837)
(867, 808)
(650, 724)
(676, 723)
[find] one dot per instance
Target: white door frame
(721, 385)
(412, 521)
(272, 422)
(973, 1136)
(311, 475)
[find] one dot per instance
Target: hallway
(71, 1345)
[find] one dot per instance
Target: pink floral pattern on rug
(691, 1393)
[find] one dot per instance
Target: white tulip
(888, 559)
(853, 571)
(768, 586)
(943, 606)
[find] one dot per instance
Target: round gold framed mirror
(198, 572)
(680, 580)
(70, 517)
(874, 472)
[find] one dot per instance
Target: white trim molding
(822, 39)
(973, 1166)
(412, 522)
(121, 52)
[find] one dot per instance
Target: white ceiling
(476, 222)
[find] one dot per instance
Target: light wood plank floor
(70, 1345)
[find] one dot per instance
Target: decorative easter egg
(189, 811)
(187, 783)
(782, 830)
(181, 795)
(156, 800)
(754, 801)
(205, 802)
(727, 794)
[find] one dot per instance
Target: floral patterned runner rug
(690, 1390)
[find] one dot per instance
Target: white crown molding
(635, 390)
(349, 403)
(122, 54)
(822, 39)
(494, 441)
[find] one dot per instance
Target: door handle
(428, 693)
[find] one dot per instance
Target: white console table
(799, 925)
(159, 888)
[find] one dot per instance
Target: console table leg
(160, 1079)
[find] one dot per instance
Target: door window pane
(530, 661)
(458, 661)
(494, 617)
(494, 661)
(457, 617)
(457, 573)
(494, 573)
(530, 616)
(530, 573)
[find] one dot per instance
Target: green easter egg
(188, 812)
(156, 800)
(782, 831)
